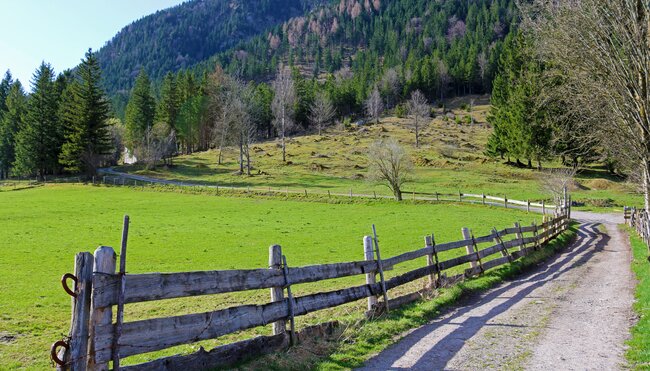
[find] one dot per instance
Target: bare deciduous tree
(418, 109)
(321, 112)
(283, 104)
(600, 53)
(389, 163)
(374, 105)
(555, 181)
(159, 143)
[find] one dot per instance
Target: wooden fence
(638, 219)
(97, 337)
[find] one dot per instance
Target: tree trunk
(646, 184)
(398, 194)
(284, 148)
(241, 156)
(417, 134)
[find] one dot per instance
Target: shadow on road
(589, 241)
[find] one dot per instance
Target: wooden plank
(528, 229)
(160, 333)
(79, 329)
(457, 261)
(219, 357)
(101, 316)
(484, 239)
(495, 198)
(496, 262)
(411, 255)
(158, 286)
(489, 251)
(452, 245)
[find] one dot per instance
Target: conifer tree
(85, 112)
(5, 86)
(10, 123)
(139, 111)
(39, 140)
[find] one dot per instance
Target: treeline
(62, 125)
(526, 126)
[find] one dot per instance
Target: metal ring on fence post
(53, 352)
(64, 283)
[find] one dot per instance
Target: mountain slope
(181, 36)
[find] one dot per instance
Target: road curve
(571, 313)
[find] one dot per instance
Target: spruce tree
(140, 111)
(168, 106)
(11, 122)
(39, 141)
(85, 113)
(5, 86)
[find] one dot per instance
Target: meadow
(451, 159)
(44, 227)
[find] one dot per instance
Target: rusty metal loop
(64, 283)
(53, 351)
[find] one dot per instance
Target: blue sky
(60, 31)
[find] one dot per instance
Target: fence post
(527, 206)
(428, 242)
(104, 263)
(350, 192)
(505, 201)
(275, 262)
(75, 357)
(520, 236)
(543, 208)
(460, 197)
(467, 235)
(483, 198)
(371, 278)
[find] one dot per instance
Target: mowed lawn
(43, 228)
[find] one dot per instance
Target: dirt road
(571, 313)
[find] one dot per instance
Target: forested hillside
(435, 46)
(181, 36)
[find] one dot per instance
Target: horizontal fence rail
(95, 339)
(639, 220)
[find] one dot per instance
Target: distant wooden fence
(639, 220)
(96, 338)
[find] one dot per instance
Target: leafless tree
(391, 86)
(236, 123)
(555, 181)
(158, 143)
(600, 53)
(283, 104)
(390, 164)
(374, 105)
(321, 112)
(418, 109)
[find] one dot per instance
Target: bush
(464, 106)
(468, 119)
(401, 110)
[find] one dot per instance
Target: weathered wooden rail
(95, 339)
(639, 220)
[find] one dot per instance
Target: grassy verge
(361, 338)
(638, 353)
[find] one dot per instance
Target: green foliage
(39, 140)
(140, 110)
(520, 126)
(11, 121)
(85, 111)
(401, 110)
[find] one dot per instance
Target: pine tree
(168, 106)
(5, 86)
(139, 111)
(11, 122)
(85, 113)
(39, 141)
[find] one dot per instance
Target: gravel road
(571, 313)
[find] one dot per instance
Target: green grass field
(449, 160)
(638, 352)
(43, 228)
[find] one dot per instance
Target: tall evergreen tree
(5, 86)
(39, 141)
(10, 123)
(140, 110)
(85, 112)
(168, 106)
